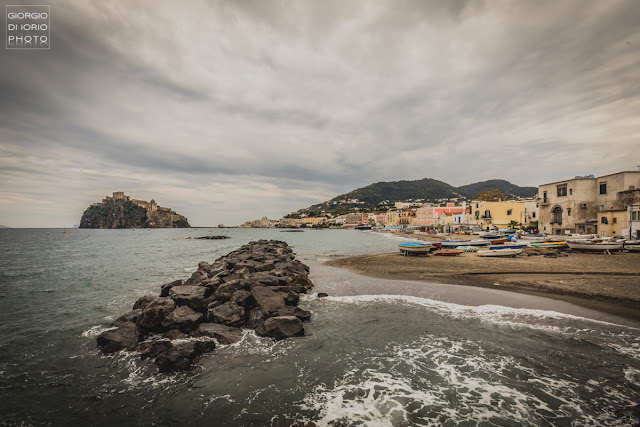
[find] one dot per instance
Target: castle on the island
(158, 216)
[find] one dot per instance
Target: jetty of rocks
(257, 287)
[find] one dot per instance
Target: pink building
(427, 215)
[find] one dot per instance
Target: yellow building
(498, 215)
(392, 218)
(612, 222)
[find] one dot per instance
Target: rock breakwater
(257, 287)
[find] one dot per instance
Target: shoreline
(608, 283)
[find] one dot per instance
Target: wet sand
(606, 282)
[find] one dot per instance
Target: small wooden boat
(468, 248)
(502, 253)
(512, 246)
(448, 252)
(454, 243)
(632, 248)
(479, 242)
(498, 241)
(595, 245)
(414, 248)
(550, 245)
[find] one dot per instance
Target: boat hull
(448, 252)
(502, 253)
(595, 247)
(414, 248)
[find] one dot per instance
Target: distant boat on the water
(362, 227)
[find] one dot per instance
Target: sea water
(377, 352)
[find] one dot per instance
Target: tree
(489, 195)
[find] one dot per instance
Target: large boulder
(301, 314)
(131, 316)
(241, 298)
(164, 289)
(151, 348)
(226, 290)
(269, 300)
(154, 313)
(228, 314)
(192, 296)
(143, 302)
(197, 277)
(181, 357)
(256, 317)
(281, 327)
(124, 337)
(183, 318)
(222, 333)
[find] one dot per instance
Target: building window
(568, 211)
(544, 197)
(603, 220)
(601, 207)
(603, 188)
(556, 215)
(510, 211)
(614, 220)
(562, 190)
(570, 191)
(534, 214)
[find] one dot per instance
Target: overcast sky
(228, 111)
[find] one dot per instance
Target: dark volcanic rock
(182, 318)
(152, 348)
(301, 314)
(228, 314)
(222, 333)
(164, 289)
(190, 295)
(212, 237)
(270, 301)
(124, 337)
(257, 286)
(281, 327)
(322, 295)
(143, 302)
(131, 316)
(241, 297)
(154, 313)
(181, 357)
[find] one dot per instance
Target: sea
(376, 353)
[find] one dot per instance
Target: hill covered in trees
(382, 194)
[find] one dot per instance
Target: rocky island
(120, 211)
(257, 287)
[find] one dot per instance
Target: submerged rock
(281, 327)
(181, 357)
(124, 337)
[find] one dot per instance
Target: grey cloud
(284, 101)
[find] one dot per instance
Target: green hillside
(382, 194)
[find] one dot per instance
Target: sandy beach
(583, 278)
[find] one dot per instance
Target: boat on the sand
(550, 245)
(502, 253)
(512, 246)
(414, 248)
(595, 245)
(448, 252)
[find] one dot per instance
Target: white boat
(414, 248)
(595, 245)
(632, 248)
(501, 253)
(536, 239)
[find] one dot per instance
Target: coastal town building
(588, 204)
(498, 215)
(392, 218)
